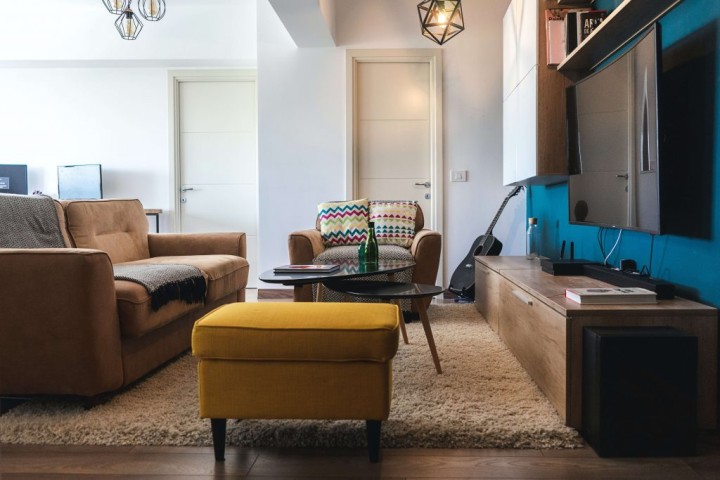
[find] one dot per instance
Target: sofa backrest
(117, 227)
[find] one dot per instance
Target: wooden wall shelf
(620, 26)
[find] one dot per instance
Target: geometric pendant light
(152, 10)
(128, 25)
(116, 6)
(441, 20)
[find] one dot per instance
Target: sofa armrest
(425, 249)
(178, 244)
(59, 328)
(304, 245)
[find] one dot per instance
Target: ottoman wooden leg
(218, 426)
(373, 439)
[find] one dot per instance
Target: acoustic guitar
(462, 282)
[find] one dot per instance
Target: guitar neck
(500, 210)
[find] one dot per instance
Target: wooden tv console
(527, 308)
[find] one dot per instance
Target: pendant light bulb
(151, 10)
(116, 6)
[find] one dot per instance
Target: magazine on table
(306, 268)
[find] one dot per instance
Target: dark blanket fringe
(189, 290)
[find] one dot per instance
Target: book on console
(306, 268)
(610, 295)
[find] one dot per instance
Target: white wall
(302, 122)
(68, 97)
(72, 91)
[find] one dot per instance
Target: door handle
(426, 184)
(186, 189)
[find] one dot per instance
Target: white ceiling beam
(310, 23)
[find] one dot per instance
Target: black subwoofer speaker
(639, 391)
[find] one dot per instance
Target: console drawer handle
(522, 297)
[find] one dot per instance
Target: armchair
(307, 245)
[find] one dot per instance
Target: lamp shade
(128, 25)
(151, 10)
(116, 6)
(441, 20)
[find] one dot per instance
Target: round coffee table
(394, 292)
(348, 269)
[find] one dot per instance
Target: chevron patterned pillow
(343, 223)
(394, 221)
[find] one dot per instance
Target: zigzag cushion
(343, 223)
(394, 221)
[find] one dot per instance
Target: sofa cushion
(394, 221)
(225, 274)
(118, 227)
(343, 223)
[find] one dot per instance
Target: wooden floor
(195, 463)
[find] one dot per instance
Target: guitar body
(462, 282)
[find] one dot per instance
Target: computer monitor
(13, 179)
(80, 182)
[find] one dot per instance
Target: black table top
(384, 290)
(348, 269)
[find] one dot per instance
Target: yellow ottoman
(296, 361)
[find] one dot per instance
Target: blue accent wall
(692, 264)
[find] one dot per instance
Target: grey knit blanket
(29, 222)
(165, 282)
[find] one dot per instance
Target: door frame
(433, 58)
(175, 78)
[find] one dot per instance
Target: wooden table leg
(428, 333)
(402, 321)
(319, 292)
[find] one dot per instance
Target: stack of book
(610, 295)
(567, 28)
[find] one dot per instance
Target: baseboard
(274, 293)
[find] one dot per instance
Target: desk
(528, 309)
(154, 212)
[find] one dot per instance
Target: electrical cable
(613, 248)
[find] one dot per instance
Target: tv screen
(613, 142)
(76, 182)
(13, 179)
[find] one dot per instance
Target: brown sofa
(67, 327)
(306, 245)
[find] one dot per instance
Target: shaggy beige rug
(483, 399)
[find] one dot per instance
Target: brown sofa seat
(223, 273)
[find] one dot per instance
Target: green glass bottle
(371, 246)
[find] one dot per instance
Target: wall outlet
(458, 176)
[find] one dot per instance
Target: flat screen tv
(13, 179)
(76, 182)
(613, 141)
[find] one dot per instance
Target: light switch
(458, 176)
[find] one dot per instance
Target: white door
(217, 159)
(393, 126)
(395, 131)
